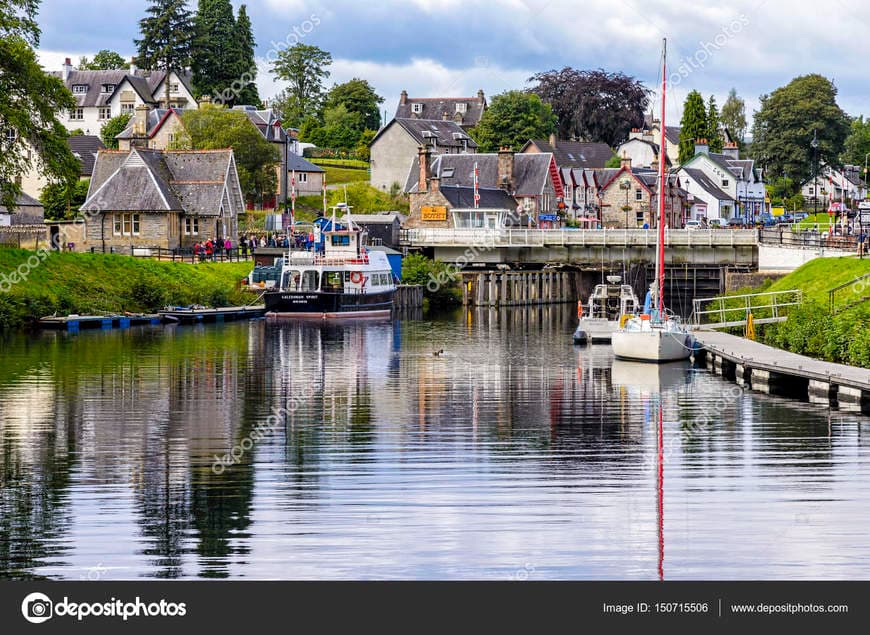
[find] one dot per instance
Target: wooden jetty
(76, 322)
(774, 371)
(221, 314)
(408, 296)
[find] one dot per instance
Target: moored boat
(607, 305)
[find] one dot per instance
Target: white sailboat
(657, 335)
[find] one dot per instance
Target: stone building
(629, 197)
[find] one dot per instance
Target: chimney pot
(506, 168)
(480, 96)
(424, 156)
(403, 98)
(552, 140)
(625, 162)
(66, 69)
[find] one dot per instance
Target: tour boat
(340, 279)
(657, 335)
(606, 306)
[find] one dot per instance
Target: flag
(324, 193)
(476, 186)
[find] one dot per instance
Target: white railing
(733, 310)
(577, 237)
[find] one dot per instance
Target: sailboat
(657, 335)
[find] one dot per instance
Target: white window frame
(638, 194)
(173, 87)
(191, 226)
(79, 89)
(126, 224)
(417, 108)
(107, 88)
(77, 114)
(105, 112)
(128, 108)
(303, 177)
(461, 107)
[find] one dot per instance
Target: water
(512, 455)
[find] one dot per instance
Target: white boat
(656, 335)
(601, 317)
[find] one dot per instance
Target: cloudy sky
(455, 47)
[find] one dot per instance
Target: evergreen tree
(216, 51)
(167, 35)
(733, 116)
(714, 132)
(247, 68)
(693, 125)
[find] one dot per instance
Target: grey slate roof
(24, 204)
(295, 162)
(265, 121)
(155, 119)
(530, 172)
(492, 198)
(437, 107)
(378, 219)
(707, 184)
(575, 154)
(144, 82)
(152, 180)
(85, 148)
(446, 134)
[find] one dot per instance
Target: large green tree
(693, 125)
(784, 127)
(714, 128)
(247, 64)
(340, 129)
(513, 117)
(63, 200)
(216, 51)
(104, 60)
(213, 127)
(113, 127)
(167, 35)
(305, 67)
(30, 134)
(857, 145)
(358, 96)
(733, 116)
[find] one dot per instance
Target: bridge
(586, 247)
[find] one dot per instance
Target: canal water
(286, 451)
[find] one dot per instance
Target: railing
(858, 285)
(492, 238)
(807, 238)
(186, 254)
(733, 310)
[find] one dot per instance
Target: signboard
(433, 213)
(548, 217)
(865, 217)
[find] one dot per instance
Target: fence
(815, 236)
(733, 310)
(187, 254)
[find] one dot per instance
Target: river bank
(35, 284)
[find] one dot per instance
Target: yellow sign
(433, 213)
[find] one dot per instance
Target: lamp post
(814, 144)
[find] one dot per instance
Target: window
(79, 89)
(77, 114)
(310, 281)
(191, 226)
(128, 108)
(303, 177)
(638, 194)
(461, 107)
(639, 218)
(117, 223)
(340, 240)
(724, 182)
(108, 88)
(126, 225)
(416, 108)
(105, 113)
(171, 137)
(332, 281)
(173, 88)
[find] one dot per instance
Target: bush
(439, 287)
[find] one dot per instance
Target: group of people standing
(224, 248)
(212, 249)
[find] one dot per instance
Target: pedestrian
(243, 244)
(862, 238)
(218, 247)
(228, 246)
(262, 241)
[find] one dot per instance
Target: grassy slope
(337, 176)
(92, 283)
(818, 276)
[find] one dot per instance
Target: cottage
(308, 177)
(736, 177)
(835, 185)
(383, 229)
(394, 148)
(582, 196)
(22, 225)
(157, 129)
(643, 144)
(169, 199)
(463, 111)
(629, 197)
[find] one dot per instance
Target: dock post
(740, 374)
(851, 399)
(760, 380)
(821, 392)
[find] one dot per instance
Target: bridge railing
(491, 238)
(733, 310)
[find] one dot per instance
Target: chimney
(133, 68)
(654, 164)
(140, 121)
(434, 184)
(647, 135)
(445, 116)
(553, 140)
(506, 168)
(635, 134)
(701, 146)
(424, 156)
(66, 69)
(625, 162)
(731, 150)
(403, 98)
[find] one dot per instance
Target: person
(209, 248)
(218, 247)
(228, 246)
(243, 243)
(262, 241)
(197, 250)
(862, 238)
(646, 226)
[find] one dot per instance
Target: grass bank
(99, 283)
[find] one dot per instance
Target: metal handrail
(744, 302)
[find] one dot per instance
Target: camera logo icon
(37, 608)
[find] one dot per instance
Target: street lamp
(814, 144)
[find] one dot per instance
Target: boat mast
(660, 245)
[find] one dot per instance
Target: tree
(247, 64)
(62, 200)
(714, 132)
(167, 36)
(30, 133)
(104, 60)
(733, 116)
(305, 67)
(357, 96)
(593, 105)
(693, 125)
(214, 127)
(513, 118)
(362, 150)
(216, 51)
(340, 129)
(785, 124)
(112, 128)
(857, 145)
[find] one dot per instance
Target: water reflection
(393, 460)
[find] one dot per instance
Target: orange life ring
(579, 309)
(356, 277)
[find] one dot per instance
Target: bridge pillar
(717, 365)
(493, 289)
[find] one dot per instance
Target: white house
(737, 178)
(101, 95)
(834, 185)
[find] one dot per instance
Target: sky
(455, 47)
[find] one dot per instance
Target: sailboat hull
(656, 345)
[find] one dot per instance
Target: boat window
(310, 281)
(332, 281)
(291, 279)
(340, 241)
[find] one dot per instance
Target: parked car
(714, 223)
(736, 223)
(766, 220)
(693, 224)
(783, 219)
(799, 216)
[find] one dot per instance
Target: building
(738, 178)
(383, 229)
(441, 189)
(572, 154)
(155, 129)
(833, 185)
(641, 148)
(23, 226)
(101, 95)
(83, 147)
(308, 177)
(394, 148)
(463, 111)
(269, 125)
(629, 198)
(582, 196)
(707, 201)
(145, 198)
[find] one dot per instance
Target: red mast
(660, 264)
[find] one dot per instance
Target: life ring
(579, 309)
(356, 277)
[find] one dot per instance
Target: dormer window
(108, 88)
(461, 107)
(79, 89)
(416, 108)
